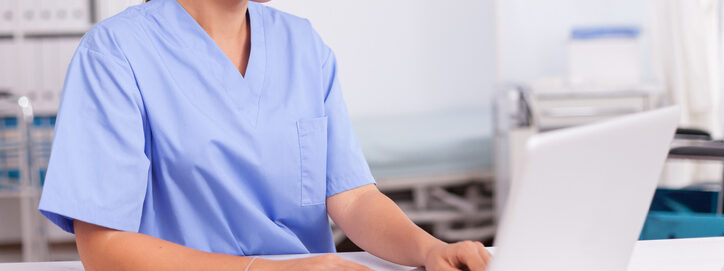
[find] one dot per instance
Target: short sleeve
(99, 167)
(346, 165)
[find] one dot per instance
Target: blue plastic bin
(683, 213)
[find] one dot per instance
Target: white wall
(407, 56)
(533, 34)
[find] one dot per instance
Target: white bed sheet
(433, 143)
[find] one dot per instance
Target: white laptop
(581, 200)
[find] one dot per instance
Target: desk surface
(697, 254)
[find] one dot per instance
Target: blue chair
(689, 212)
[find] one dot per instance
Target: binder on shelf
(66, 51)
(78, 15)
(8, 16)
(63, 51)
(8, 71)
(28, 15)
(48, 70)
(45, 14)
(29, 63)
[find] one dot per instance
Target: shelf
(77, 31)
(6, 194)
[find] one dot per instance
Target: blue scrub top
(159, 133)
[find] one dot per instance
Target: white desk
(699, 254)
(696, 254)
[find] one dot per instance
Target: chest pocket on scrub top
(313, 158)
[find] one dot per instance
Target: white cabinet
(558, 110)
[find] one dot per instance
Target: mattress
(435, 143)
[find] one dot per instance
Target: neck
(219, 18)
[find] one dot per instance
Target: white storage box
(604, 58)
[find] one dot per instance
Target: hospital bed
(437, 167)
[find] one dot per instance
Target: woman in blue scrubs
(196, 134)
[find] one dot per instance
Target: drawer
(552, 113)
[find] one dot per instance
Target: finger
(484, 253)
(468, 255)
(443, 266)
(445, 262)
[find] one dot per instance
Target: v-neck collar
(245, 91)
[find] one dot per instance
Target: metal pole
(34, 241)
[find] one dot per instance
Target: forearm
(105, 249)
(377, 225)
